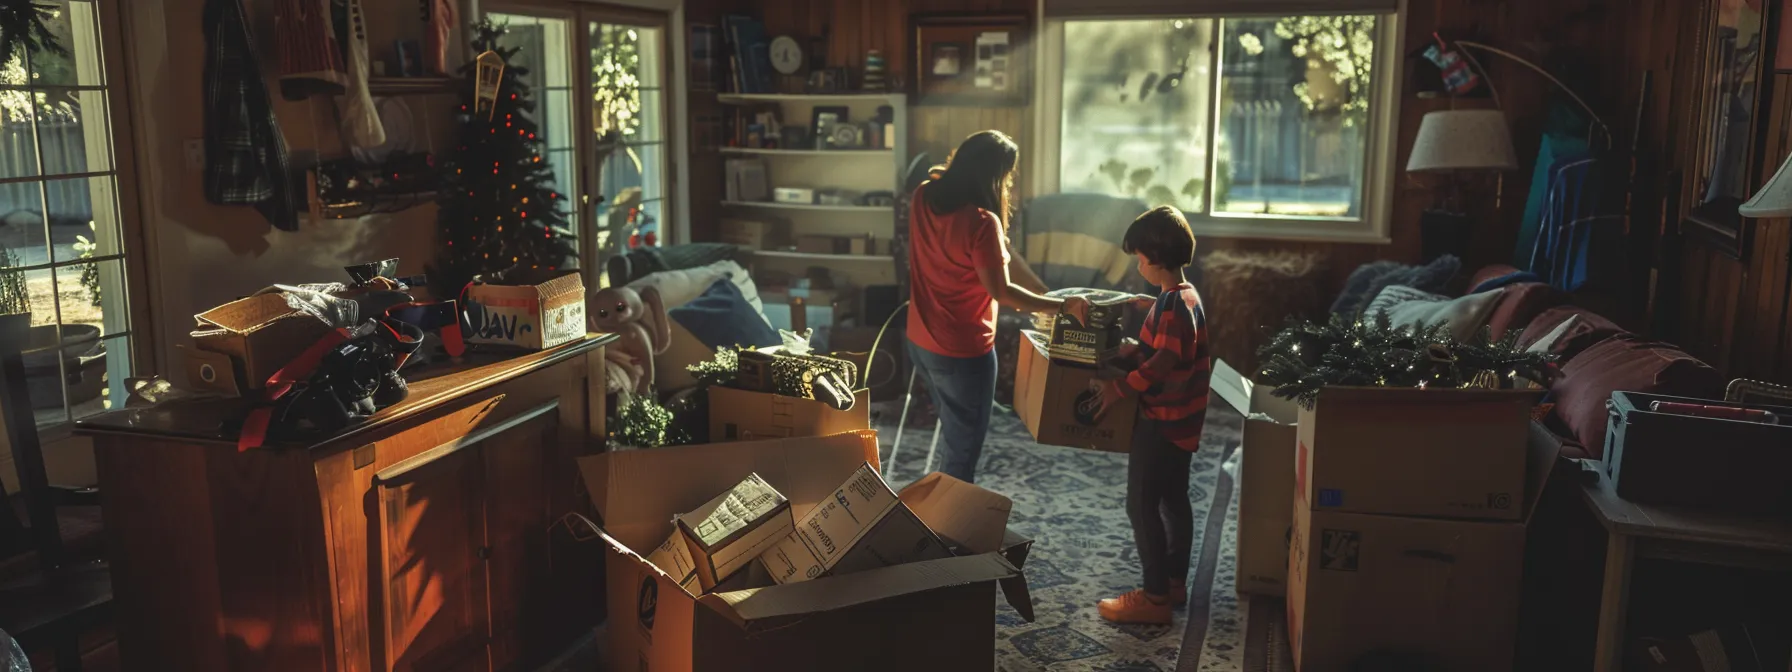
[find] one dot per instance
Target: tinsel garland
(1307, 356)
(22, 29)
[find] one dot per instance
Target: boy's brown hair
(1163, 236)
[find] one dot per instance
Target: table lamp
(1774, 199)
(1455, 141)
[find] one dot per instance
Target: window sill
(1293, 232)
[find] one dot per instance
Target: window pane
(81, 290)
(18, 135)
(628, 218)
(82, 209)
(616, 63)
(1135, 109)
(623, 171)
(653, 120)
(22, 241)
(562, 163)
(73, 131)
(1294, 107)
(555, 116)
(74, 24)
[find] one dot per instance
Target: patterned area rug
(1071, 503)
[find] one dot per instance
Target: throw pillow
(1548, 341)
(1589, 328)
(1521, 303)
(678, 287)
(1367, 281)
(722, 317)
(1462, 316)
(1631, 364)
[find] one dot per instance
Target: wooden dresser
(418, 540)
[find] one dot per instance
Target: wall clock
(787, 55)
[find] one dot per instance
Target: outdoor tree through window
(1244, 118)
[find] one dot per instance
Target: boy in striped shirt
(1170, 379)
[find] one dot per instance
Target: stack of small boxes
(1410, 509)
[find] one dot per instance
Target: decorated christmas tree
(498, 211)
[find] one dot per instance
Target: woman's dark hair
(980, 173)
(1163, 236)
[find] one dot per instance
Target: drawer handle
(423, 459)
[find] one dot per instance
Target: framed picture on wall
(1733, 82)
(969, 60)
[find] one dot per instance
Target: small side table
(1644, 531)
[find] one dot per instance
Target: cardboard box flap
(972, 517)
(559, 290)
(637, 492)
(764, 606)
(1255, 401)
(246, 315)
(1015, 548)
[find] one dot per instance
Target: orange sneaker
(1178, 594)
(1136, 607)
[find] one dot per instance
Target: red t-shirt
(949, 311)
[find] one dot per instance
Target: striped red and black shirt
(1174, 366)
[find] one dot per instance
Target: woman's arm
(1005, 291)
(1023, 275)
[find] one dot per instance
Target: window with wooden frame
(67, 212)
(1260, 119)
(603, 100)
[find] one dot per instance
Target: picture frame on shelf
(963, 59)
(819, 131)
(1734, 82)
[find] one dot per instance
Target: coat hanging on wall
(361, 125)
(245, 154)
(310, 54)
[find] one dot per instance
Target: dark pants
(1163, 521)
(964, 393)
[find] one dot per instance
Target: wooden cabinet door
(519, 466)
(431, 539)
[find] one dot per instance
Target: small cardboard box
(727, 533)
(740, 415)
(1056, 401)
(1455, 453)
(536, 316)
(1266, 480)
(748, 233)
(835, 622)
(260, 334)
(863, 526)
(1444, 589)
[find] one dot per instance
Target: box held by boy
(1266, 480)
(1444, 588)
(864, 525)
(728, 532)
(1454, 453)
(537, 315)
(1056, 401)
(655, 624)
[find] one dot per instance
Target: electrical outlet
(195, 151)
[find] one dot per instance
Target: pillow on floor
(1631, 364)
(722, 317)
(1462, 316)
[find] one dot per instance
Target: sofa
(1596, 355)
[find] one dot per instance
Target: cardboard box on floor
(657, 625)
(1443, 589)
(1266, 480)
(740, 415)
(535, 316)
(1454, 453)
(1055, 400)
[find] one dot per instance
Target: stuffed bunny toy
(640, 319)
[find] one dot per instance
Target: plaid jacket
(245, 154)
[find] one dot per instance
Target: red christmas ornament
(651, 239)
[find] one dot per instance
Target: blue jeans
(964, 394)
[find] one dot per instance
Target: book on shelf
(745, 180)
(751, 53)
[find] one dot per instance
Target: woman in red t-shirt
(959, 269)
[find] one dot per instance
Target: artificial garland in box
(1371, 352)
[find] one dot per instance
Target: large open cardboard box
(1055, 401)
(933, 615)
(1456, 453)
(742, 415)
(245, 341)
(1266, 480)
(1444, 589)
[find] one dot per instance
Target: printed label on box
(1339, 549)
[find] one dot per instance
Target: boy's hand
(1143, 301)
(1107, 394)
(1128, 347)
(1077, 307)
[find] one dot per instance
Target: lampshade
(1462, 140)
(1773, 200)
